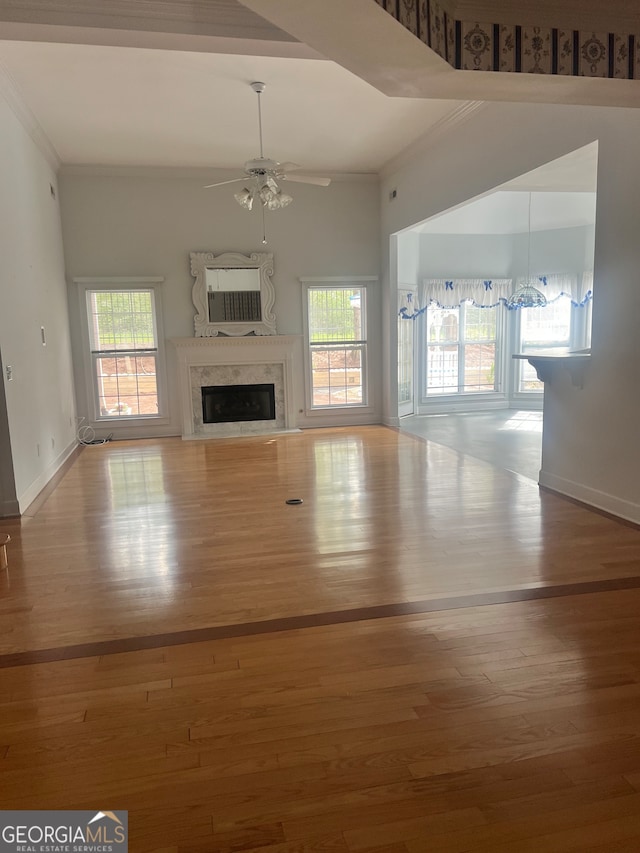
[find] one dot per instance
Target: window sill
(129, 420)
(322, 410)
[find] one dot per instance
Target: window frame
(406, 345)
(508, 341)
(364, 284)
(428, 401)
(88, 285)
(579, 338)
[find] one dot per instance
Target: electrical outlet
(9, 372)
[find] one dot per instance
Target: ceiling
(165, 83)
(507, 212)
(560, 194)
(116, 106)
(361, 36)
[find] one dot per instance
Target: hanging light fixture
(527, 296)
(272, 196)
(262, 173)
(245, 198)
(262, 176)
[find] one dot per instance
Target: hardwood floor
(309, 717)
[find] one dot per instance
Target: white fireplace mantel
(241, 357)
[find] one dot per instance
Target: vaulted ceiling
(165, 82)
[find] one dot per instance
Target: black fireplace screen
(230, 403)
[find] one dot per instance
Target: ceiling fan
(262, 175)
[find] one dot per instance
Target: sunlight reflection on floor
(524, 421)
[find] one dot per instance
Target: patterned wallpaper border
(519, 49)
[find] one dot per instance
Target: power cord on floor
(87, 435)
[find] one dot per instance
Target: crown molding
(10, 93)
(445, 125)
(190, 172)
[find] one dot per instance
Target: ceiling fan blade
(307, 179)
(288, 167)
(222, 183)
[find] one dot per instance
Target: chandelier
(527, 296)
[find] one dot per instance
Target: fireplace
(223, 404)
(225, 362)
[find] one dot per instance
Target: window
(464, 349)
(336, 325)
(543, 328)
(559, 324)
(461, 350)
(405, 361)
(124, 350)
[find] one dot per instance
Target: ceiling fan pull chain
(264, 229)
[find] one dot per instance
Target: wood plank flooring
(152, 537)
(502, 727)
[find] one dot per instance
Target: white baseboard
(127, 433)
(32, 492)
(456, 407)
(324, 419)
(592, 497)
(214, 437)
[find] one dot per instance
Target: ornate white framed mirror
(233, 294)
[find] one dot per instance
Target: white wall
(590, 434)
(144, 223)
(409, 258)
(40, 408)
(505, 255)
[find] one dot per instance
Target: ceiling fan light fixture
(266, 195)
(263, 174)
(244, 198)
(271, 196)
(284, 199)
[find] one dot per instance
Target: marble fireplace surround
(236, 361)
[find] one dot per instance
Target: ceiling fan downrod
(259, 88)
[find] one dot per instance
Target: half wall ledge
(546, 362)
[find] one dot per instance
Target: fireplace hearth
(223, 404)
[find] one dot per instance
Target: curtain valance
(447, 293)
(487, 293)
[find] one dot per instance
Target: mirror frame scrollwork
(263, 262)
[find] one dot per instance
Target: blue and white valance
(483, 292)
(577, 286)
(489, 292)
